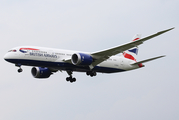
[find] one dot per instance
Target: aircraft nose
(6, 57)
(10, 57)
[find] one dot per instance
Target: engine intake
(39, 72)
(81, 59)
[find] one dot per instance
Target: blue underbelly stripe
(62, 66)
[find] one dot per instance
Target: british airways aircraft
(46, 61)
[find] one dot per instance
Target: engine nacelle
(39, 72)
(81, 59)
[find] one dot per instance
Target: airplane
(46, 61)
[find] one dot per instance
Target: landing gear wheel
(19, 70)
(67, 79)
(87, 73)
(71, 79)
(74, 79)
(91, 73)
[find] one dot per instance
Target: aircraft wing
(105, 54)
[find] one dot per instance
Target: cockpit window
(12, 51)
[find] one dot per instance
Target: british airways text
(43, 55)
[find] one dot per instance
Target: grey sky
(147, 93)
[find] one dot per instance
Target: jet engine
(81, 59)
(39, 72)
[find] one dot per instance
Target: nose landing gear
(20, 69)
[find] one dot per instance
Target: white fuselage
(56, 59)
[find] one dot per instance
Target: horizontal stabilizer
(147, 60)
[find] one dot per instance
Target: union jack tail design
(132, 53)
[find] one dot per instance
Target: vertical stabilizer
(132, 53)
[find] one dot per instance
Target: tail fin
(132, 53)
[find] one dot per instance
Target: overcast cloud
(149, 93)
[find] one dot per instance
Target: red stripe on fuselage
(28, 49)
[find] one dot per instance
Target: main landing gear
(71, 79)
(20, 69)
(91, 73)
